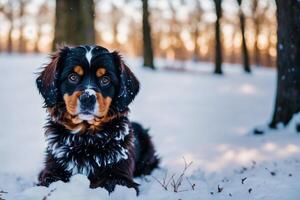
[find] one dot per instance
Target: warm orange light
(121, 38)
(262, 41)
(107, 37)
(204, 50)
(164, 43)
(272, 52)
(170, 54)
(273, 39)
(237, 41)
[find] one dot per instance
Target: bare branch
(193, 185)
(164, 183)
(177, 183)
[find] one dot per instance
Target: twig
(177, 183)
(243, 180)
(193, 185)
(164, 183)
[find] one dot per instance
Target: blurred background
(180, 29)
(192, 111)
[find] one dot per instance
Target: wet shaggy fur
(111, 150)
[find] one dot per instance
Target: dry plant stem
(177, 183)
(164, 183)
(193, 185)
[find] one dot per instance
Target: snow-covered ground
(195, 115)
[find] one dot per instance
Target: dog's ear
(128, 84)
(47, 81)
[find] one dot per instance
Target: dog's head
(88, 82)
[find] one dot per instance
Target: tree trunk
(256, 21)
(74, 22)
(232, 55)
(9, 47)
(288, 62)
(256, 49)
(218, 45)
(196, 53)
(115, 20)
(244, 45)
(36, 44)
(148, 51)
(268, 56)
(22, 41)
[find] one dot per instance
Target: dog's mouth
(88, 116)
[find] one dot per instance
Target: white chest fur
(77, 161)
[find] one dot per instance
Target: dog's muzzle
(87, 101)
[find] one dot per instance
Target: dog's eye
(74, 78)
(104, 81)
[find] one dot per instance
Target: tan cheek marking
(73, 123)
(76, 120)
(79, 70)
(100, 72)
(71, 102)
(104, 104)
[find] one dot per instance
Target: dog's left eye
(104, 81)
(74, 78)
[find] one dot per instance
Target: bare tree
(41, 18)
(232, 58)
(8, 12)
(1, 11)
(22, 13)
(175, 27)
(135, 40)
(244, 45)
(288, 62)
(258, 12)
(196, 19)
(147, 40)
(74, 22)
(115, 20)
(256, 22)
(218, 45)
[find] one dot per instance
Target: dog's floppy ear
(128, 84)
(47, 81)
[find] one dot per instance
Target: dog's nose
(87, 100)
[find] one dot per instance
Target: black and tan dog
(87, 90)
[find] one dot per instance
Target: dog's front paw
(130, 184)
(110, 184)
(46, 178)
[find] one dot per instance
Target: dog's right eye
(74, 78)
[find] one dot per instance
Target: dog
(86, 91)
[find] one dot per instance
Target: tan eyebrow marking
(79, 70)
(100, 72)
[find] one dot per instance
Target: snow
(204, 118)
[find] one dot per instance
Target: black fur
(144, 151)
(110, 153)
